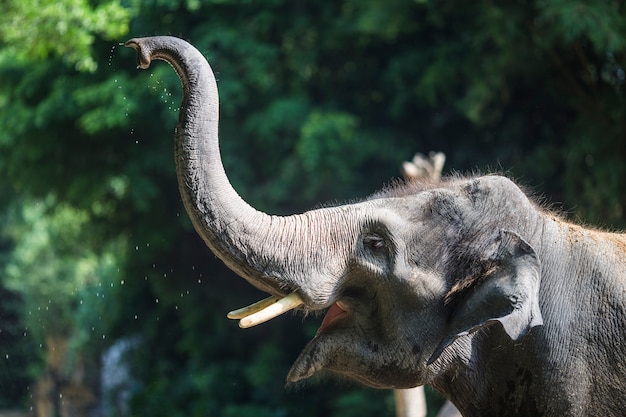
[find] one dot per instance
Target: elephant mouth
(309, 360)
(336, 312)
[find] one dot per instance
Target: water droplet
(111, 54)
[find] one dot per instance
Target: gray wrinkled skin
(464, 284)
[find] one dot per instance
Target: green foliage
(54, 274)
(64, 29)
(17, 352)
(54, 281)
(319, 101)
(358, 403)
(601, 23)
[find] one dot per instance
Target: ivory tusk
(265, 310)
(252, 308)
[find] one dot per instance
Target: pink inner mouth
(334, 313)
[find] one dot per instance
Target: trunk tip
(143, 51)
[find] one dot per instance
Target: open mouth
(336, 311)
(315, 355)
(272, 307)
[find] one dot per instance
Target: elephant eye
(374, 241)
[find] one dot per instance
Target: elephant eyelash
(375, 242)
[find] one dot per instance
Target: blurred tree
(61, 277)
(58, 258)
(64, 29)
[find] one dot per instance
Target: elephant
(464, 283)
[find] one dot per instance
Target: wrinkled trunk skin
(266, 250)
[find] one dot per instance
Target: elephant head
(403, 274)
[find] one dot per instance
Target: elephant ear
(507, 293)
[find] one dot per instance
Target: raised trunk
(259, 247)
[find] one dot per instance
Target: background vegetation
(320, 101)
